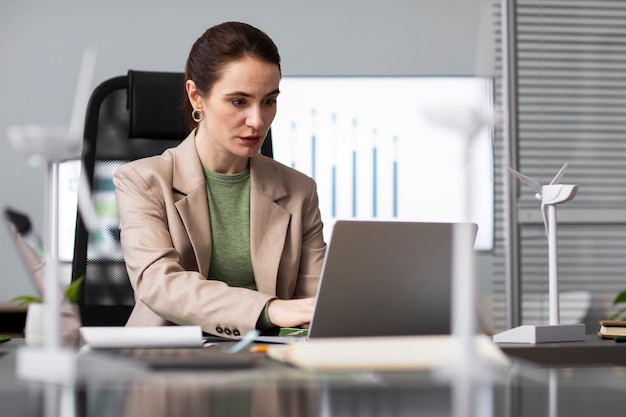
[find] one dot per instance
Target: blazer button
(227, 331)
(236, 332)
(219, 330)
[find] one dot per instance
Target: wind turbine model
(469, 372)
(550, 195)
(52, 145)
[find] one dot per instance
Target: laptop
(384, 278)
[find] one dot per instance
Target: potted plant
(33, 330)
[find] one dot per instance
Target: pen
(620, 339)
(244, 341)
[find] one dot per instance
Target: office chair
(128, 117)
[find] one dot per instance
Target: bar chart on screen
(375, 154)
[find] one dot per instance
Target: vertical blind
(571, 101)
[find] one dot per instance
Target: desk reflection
(194, 398)
(212, 396)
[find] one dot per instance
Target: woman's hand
(291, 313)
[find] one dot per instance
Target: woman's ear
(193, 94)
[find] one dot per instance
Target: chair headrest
(155, 103)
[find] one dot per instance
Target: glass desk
(272, 389)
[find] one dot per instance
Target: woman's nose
(255, 118)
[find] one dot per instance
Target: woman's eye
(270, 101)
(238, 102)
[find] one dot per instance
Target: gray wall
(41, 44)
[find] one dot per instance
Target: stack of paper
(141, 337)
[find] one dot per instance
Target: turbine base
(542, 334)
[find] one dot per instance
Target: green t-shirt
(229, 211)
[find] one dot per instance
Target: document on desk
(394, 353)
(98, 337)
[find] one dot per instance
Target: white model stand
(542, 334)
(550, 195)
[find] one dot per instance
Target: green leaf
(71, 292)
(620, 298)
(619, 313)
(26, 299)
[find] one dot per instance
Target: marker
(258, 349)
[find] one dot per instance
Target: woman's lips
(251, 139)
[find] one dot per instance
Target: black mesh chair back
(128, 117)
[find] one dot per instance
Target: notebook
(384, 278)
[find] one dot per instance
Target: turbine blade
(559, 174)
(534, 185)
(83, 92)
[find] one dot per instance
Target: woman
(213, 233)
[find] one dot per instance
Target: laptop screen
(386, 279)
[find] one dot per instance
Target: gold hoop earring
(197, 115)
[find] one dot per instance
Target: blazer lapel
(193, 207)
(269, 223)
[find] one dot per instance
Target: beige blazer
(166, 241)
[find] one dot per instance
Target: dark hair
(219, 46)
